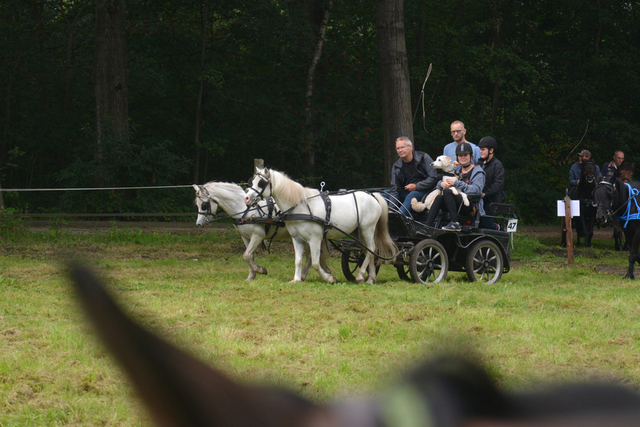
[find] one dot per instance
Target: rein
(265, 217)
(265, 181)
(628, 216)
(633, 195)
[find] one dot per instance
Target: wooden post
(258, 164)
(567, 223)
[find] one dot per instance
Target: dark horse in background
(617, 201)
(584, 193)
(625, 173)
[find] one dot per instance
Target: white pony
(350, 211)
(230, 197)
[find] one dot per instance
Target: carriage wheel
(403, 272)
(484, 262)
(352, 260)
(429, 262)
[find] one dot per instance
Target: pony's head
(589, 171)
(604, 196)
(271, 183)
(626, 172)
(258, 187)
(206, 205)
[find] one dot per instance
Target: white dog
(444, 164)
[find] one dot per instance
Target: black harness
(263, 184)
(324, 195)
(613, 194)
(271, 217)
(205, 206)
(265, 181)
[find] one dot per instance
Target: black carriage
(427, 254)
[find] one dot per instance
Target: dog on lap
(471, 179)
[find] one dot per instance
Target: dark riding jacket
(494, 181)
(423, 165)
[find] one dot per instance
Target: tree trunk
(111, 74)
(68, 67)
(308, 94)
(203, 52)
(394, 73)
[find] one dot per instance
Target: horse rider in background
(458, 132)
(609, 169)
(576, 168)
(411, 175)
(494, 180)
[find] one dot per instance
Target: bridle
(590, 175)
(263, 184)
(612, 194)
(205, 206)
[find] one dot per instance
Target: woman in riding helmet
(470, 181)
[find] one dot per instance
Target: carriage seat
(503, 209)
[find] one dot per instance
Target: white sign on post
(575, 208)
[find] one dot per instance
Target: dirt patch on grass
(618, 271)
(561, 254)
(554, 231)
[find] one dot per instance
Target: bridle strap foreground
(265, 181)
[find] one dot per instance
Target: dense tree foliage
(212, 85)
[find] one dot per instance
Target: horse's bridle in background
(205, 206)
(613, 193)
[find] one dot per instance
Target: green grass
(545, 320)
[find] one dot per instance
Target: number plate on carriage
(512, 225)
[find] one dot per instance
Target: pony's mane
(289, 191)
(229, 187)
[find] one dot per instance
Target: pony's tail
(384, 244)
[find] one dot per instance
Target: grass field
(544, 321)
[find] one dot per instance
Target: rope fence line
(94, 215)
(4, 190)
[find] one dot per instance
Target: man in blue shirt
(458, 132)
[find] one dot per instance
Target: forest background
(212, 85)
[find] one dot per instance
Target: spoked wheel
(429, 262)
(352, 260)
(403, 272)
(484, 262)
